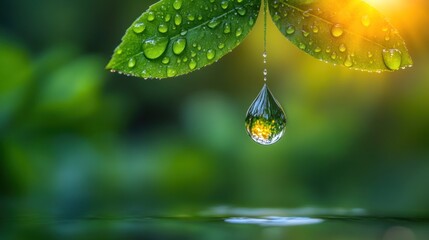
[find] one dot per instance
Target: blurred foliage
(76, 140)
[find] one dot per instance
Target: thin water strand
(265, 120)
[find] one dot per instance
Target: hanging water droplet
(365, 20)
(179, 45)
(210, 54)
(155, 47)
(139, 27)
(177, 4)
(177, 19)
(132, 63)
(265, 120)
(290, 30)
(337, 30)
(392, 58)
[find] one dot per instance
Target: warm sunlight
(386, 4)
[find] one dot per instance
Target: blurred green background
(77, 140)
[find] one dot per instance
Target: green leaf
(175, 37)
(347, 32)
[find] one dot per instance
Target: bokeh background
(77, 140)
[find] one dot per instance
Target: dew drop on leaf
(139, 27)
(177, 4)
(162, 28)
(241, 11)
(192, 64)
(342, 47)
(155, 47)
(337, 30)
(179, 45)
(171, 72)
(238, 32)
(290, 30)
(177, 19)
(132, 63)
(150, 16)
(365, 21)
(227, 28)
(265, 120)
(224, 4)
(211, 54)
(392, 58)
(348, 62)
(166, 60)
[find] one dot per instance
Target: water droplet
(241, 11)
(305, 33)
(224, 4)
(317, 50)
(334, 55)
(290, 30)
(155, 47)
(238, 32)
(210, 54)
(221, 45)
(348, 62)
(177, 19)
(328, 49)
(239, 1)
(337, 30)
(167, 18)
(119, 51)
(132, 63)
(150, 16)
(276, 17)
(370, 54)
(177, 4)
(213, 23)
(265, 120)
(227, 28)
(179, 45)
(191, 17)
(315, 29)
(192, 64)
(342, 47)
(251, 21)
(139, 27)
(166, 60)
(302, 46)
(365, 20)
(162, 28)
(171, 72)
(392, 58)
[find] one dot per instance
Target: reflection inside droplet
(265, 121)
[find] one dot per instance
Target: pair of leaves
(175, 37)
